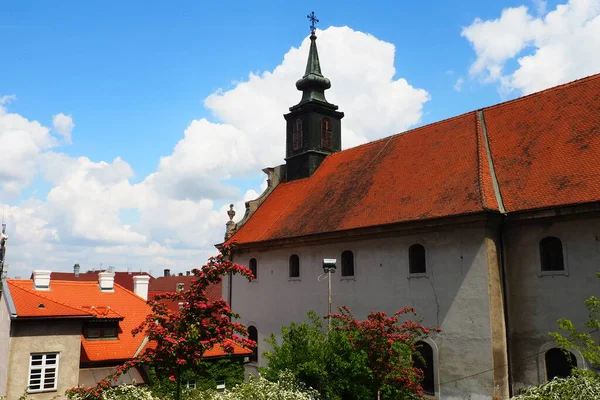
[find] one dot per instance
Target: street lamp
(329, 265)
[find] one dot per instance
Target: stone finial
(231, 212)
(230, 225)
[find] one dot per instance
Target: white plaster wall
(453, 296)
(4, 343)
(536, 301)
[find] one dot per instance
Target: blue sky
(133, 76)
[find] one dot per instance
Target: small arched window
(416, 259)
(347, 263)
(559, 364)
(326, 137)
(253, 265)
(253, 335)
(294, 266)
(297, 135)
(425, 364)
(551, 254)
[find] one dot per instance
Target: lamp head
(329, 264)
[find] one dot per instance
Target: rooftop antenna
(3, 240)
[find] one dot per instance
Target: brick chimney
(106, 280)
(41, 279)
(76, 269)
(167, 272)
(140, 286)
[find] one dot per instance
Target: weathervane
(313, 20)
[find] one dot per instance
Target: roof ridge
(479, 164)
(575, 82)
(36, 293)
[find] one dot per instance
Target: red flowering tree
(178, 339)
(389, 346)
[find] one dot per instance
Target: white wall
(536, 301)
(453, 295)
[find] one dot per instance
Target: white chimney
(140, 286)
(41, 279)
(106, 280)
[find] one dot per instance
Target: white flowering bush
(582, 385)
(123, 392)
(258, 388)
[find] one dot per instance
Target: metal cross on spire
(313, 20)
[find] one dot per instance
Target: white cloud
(549, 50)
(541, 6)
(181, 208)
(459, 84)
(63, 125)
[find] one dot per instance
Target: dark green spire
(313, 84)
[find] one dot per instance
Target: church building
(487, 223)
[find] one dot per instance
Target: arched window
(294, 266)
(253, 335)
(347, 263)
(425, 364)
(416, 259)
(297, 135)
(558, 364)
(326, 141)
(551, 254)
(254, 267)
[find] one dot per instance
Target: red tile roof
(124, 279)
(86, 299)
(165, 284)
(545, 149)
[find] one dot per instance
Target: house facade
(487, 223)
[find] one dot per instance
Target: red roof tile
(124, 279)
(544, 147)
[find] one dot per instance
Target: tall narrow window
(551, 254)
(425, 364)
(43, 372)
(326, 141)
(347, 263)
(297, 135)
(416, 259)
(294, 266)
(253, 335)
(254, 267)
(558, 364)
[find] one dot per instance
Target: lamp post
(329, 265)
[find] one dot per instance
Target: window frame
(326, 134)
(297, 133)
(541, 271)
(254, 268)
(426, 260)
(342, 275)
(102, 327)
(432, 365)
(42, 367)
(297, 277)
(542, 370)
(254, 356)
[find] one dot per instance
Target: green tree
(585, 342)
(355, 360)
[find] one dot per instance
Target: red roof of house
(545, 149)
(166, 284)
(80, 299)
(124, 279)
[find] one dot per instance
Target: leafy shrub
(582, 385)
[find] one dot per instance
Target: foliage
(584, 342)
(180, 338)
(581, 385)
(286, 387)
(204, 373)
(356, 360)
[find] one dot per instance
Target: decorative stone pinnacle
(231, 212)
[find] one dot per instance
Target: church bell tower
(313, 125)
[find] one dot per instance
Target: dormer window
(297, 135)
(101, 329)
(326, 141)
